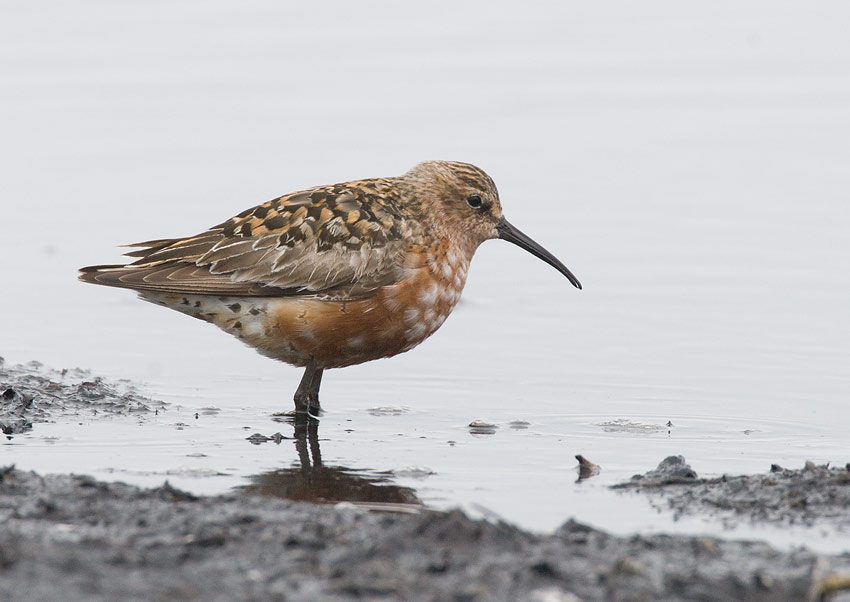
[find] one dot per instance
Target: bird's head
(462, 202)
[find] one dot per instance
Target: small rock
(627, 566)
(586, 468)
(672, 470)
(482, 427)
(708, 545)
(763, 581)
(551, 594)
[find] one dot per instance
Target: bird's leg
(315, 408)
(307, 394)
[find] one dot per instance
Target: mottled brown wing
(342, 241)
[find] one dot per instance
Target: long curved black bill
(511, 234)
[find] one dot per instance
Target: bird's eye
(474, 201)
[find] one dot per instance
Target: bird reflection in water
(312, 481)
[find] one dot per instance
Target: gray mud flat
(32, 393)
(72, 538)
(811, 496)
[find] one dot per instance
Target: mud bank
(811, 496)
(70, 538)
(32, 393)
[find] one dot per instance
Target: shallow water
(689, 165)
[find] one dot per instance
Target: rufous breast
(395, 319)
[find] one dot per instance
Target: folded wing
(343, 242)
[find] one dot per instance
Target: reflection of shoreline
(312, 481)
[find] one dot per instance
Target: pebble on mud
(586, 468)
(482, 427)
(671, 470)
(258, 438)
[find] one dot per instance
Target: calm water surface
(689, 165)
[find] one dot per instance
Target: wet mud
(811, 496)
(32, 393)
(326, 533)
(67, 537)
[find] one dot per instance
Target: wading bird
(334, 275)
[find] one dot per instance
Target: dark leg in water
(307, 394)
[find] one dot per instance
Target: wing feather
(341, 241)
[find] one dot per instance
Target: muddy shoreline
(32, 393)
(71, 537)
(68, 537)
(810, 496)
